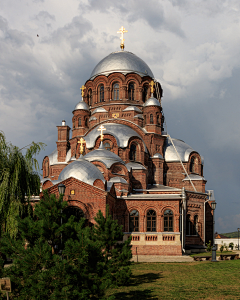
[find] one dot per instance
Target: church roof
(107, 157)
(122, 134)
(152, 102)
(134, 108)
(122, 62)
(82, 170)
(193, 177)
(82, 105)
(183, 149)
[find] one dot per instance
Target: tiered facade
(153, 185)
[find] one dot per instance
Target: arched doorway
(74, 211)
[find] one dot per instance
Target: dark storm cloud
(152, 12)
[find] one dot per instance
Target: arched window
(101, 93)
(115, 95)
(131, 91)
(195, 225)
(145, 93)
(144, 121)
(192, 164)
(73, 123)
(151, 119)
(89, 97)
(158, 120)
(134, 221)
(188, 225)
(86, 122)
(151, 221)
(79, 122)
(132, 153)
(168, 220)
(107, 146)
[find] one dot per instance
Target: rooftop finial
(152, 86)
(82, 89)
(101, 128)
(81, 142)
(122, 30)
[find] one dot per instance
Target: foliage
(231, 245)
(55, 257)
(221, 248)
(231, 234)
(225, 246)
(209, 246)
(18, 181)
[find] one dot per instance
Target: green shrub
(231, 245)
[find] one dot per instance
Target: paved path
(162, 258)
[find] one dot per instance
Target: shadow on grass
(138, 280)
(145, 278)
(133, 295)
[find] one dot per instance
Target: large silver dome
(107, 157)
(122, 62)
(82, 170)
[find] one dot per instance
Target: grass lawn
(195, 280)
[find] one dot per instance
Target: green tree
(80, 270)
(18, 181)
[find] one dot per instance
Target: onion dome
(82, 105)
(82, 170)
(152, 102)
(122, 62)
(107, 157)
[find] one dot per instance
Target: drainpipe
(183, 218)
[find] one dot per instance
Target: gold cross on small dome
(82, 89)
(122, 30)
(101, 128)
(152, 86)
(81, 142)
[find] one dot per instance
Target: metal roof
(135, 166)
(183, 149)
(122, 62)
(194, 177)
(152, 102)
(122, 134)
(99, 109)
(82, 170)
(134, 108)
(82, 105)
(107, 157)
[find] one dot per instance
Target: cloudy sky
(192, 47)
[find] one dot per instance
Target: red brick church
(153, 184)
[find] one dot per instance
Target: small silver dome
(194, 177)
(82, 105)
(82, 170)
(99, 109)
(157, 155)
(134, 108)
(107, 157)
(135, 166)
(152, 102)
(122, 62)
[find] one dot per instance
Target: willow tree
(19, 180)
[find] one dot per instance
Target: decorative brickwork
(145, 181)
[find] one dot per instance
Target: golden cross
(81, 142)
(101, 128)
(122, 30)
(152, 86)
(82, 89)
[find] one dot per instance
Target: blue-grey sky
(192, 47)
